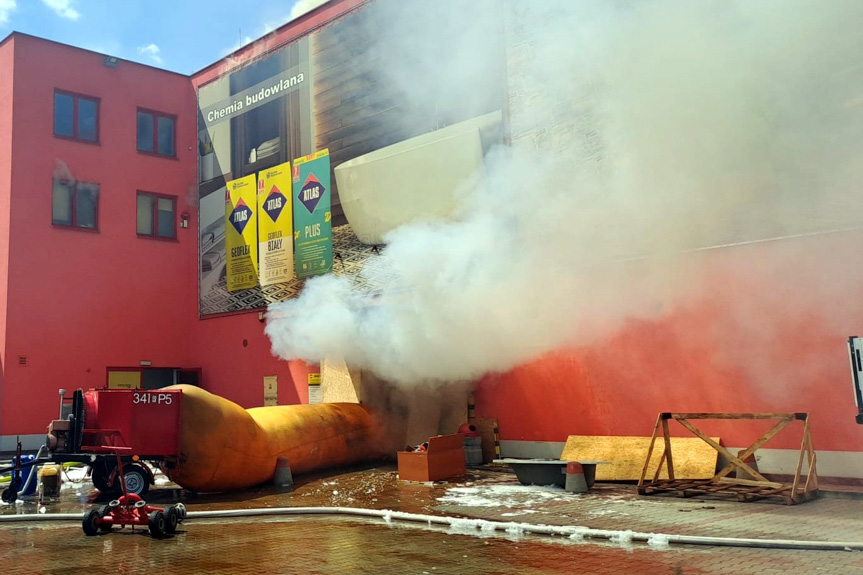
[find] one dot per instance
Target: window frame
(75, 98)
(155, 215)
(155, 114)
(73, 206)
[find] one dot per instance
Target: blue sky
(178, 35)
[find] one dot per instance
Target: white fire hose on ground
(481, 526)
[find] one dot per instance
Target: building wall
(234, 355)
(6, 71)
(758, 323)
(772, 340)
(81, 301)
(764, 331)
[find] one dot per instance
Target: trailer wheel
(137, 479)
(172, 517)
(104, 511)
(89, 522)
(100, 475)
(157, 524)
(10, 494)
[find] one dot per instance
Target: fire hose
(481, 526)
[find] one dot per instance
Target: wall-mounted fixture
(146, 362)
(184, 220)
(110, 61)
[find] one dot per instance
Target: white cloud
(152, 51)
(63, 8)
(303, 6)
(6, 8)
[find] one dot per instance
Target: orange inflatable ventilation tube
(224, 447)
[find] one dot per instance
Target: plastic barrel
(28, 489)
(49, 477)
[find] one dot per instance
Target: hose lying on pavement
(465, 526)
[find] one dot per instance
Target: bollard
(575, 480)
(283, 476)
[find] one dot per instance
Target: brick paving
(329, 544)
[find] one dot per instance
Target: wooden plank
(788, 416)
(811, 474)
(666, 437)
(750, 482)
(693, 458)
(649, 455)
(800, 457)
(752, 449)
(660, 466)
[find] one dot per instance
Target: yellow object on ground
(223, 446)
(693, 458)
(49, 477)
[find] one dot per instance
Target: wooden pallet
(720, 485)
(731, 489)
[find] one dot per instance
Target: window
(156, 215)
(75, 205)
(156, 133)
(76, 117)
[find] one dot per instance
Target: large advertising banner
(313, 227)
(323, 91)
(241, 234)
(275, 226)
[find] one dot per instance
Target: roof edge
(15, 33)
(298, 22)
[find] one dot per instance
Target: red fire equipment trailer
(143, 424)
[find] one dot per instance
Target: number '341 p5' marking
(149, 398)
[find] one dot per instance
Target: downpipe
(481, 526)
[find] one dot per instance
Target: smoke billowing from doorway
(641, 132)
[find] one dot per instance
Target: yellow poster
(124, 379)
(275, 242)
(241, 234)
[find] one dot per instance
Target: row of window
(76, 205)
(77, 117)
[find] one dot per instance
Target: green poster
(313, 228)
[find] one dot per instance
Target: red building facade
(113, 285)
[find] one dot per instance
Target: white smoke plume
(303, 6)
(641, 133)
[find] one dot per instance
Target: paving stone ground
(339, 544)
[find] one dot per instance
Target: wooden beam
(736, 460)
(788, 416)
(751, 483)
(669, 462)
(753, 448)
(650, 452)
(800, 457)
